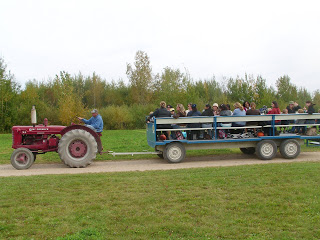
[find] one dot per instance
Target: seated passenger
(180, 112)
(253, 111)
(207, 112)
(215, 109)
(275, 110)
(194, 112)
(224, 110)
(229, 107)
(161, 112)
(238, 111)
(310, 110)
(246, 105)
(293, 107)
(189, 108)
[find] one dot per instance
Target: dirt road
(152, 164)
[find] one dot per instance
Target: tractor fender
(93, 133)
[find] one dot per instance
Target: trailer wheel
(266, 149)
(77, 148)
(174, 152)
(22, 158)
(249, 151)
(290, 148)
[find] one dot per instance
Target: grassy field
(117, 141)
(274, 201)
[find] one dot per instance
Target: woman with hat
(215, 109)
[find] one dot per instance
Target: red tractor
(77, 145)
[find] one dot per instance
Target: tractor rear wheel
(77, 148)
(22, 158)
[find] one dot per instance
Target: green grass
(274, 201)
(114, 140)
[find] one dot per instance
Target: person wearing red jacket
(275, 108)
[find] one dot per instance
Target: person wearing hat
(293, 107)
(95, 122)
(215, 109)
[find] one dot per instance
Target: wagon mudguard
(93, 133)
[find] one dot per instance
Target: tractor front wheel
(22, 158)
(77, 148)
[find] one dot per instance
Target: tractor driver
(95, 122)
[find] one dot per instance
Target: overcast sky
(222, 38)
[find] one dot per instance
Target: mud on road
(153, 164)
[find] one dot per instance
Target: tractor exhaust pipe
(33, 116)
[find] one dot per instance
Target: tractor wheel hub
(78, 149)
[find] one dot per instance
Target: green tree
(9, 91)
(170, 86)
(302, 96)
(140, 77)
(69, 103)
(286, 91)
(240, 90)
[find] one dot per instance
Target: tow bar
(130, 153)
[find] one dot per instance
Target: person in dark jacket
(310, 110)
(194, 112)
(293, 107)
(252, 111)
(207, 112)
(161, 112)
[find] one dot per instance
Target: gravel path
(152, 164)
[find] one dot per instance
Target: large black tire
(249, 151)
(266, 149)
(22, 158)
(174, 152)
(290, 148)
(77, 148)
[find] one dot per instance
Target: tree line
(124, 104)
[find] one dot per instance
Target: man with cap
(95, 122)
(293, 107)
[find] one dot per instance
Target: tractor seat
(99, 134)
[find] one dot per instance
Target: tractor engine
(38, 138)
